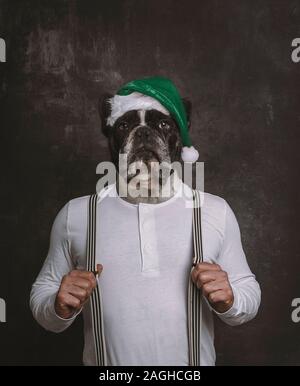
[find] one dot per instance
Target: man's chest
(145, 239)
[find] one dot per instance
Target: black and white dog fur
(140, 127)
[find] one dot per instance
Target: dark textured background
(233, 60)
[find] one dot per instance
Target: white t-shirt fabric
(146, 251)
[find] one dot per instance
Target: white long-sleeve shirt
(146, 251)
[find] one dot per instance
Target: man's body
(146, 254)
(145, 244)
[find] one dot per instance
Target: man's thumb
(99, 268)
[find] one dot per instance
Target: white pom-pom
(189, 154)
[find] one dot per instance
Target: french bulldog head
(140, 127)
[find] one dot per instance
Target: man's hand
(75, 289)
(214, 284)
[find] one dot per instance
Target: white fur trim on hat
(120, 104)
(189, 154)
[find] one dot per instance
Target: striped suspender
(194, 294)
(95, 299)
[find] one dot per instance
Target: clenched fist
(75, 289)
(214, 284)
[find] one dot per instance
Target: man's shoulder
(213, 208)
(213, 201)
(80, 203)
(219, 211)
(209, 201)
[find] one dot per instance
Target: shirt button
(147, 248)
(147, 226)
(146, 210)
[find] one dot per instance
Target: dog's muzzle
(144, 144)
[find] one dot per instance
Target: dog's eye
(123, 126)
(164, 125)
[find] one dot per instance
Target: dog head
(140, 127)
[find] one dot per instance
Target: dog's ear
(188, 109)
(104, 108)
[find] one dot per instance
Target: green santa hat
(154, 93)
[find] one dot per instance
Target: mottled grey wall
(233, 60)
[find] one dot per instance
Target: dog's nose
(143, 132)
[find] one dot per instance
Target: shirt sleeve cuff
(52, 310)
(233, 310)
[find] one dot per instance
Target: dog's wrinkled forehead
(120, 104)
